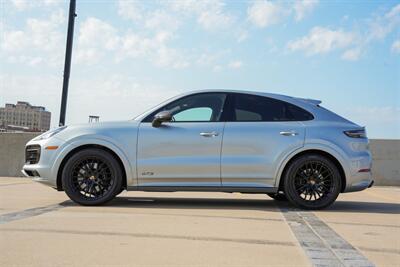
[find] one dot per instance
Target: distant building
(24, 117)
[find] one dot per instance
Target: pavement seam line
(343, 250)
(153, 235)
(18, 183)
(322, 245)
(19, 215)
(322, 239)
(312, 245)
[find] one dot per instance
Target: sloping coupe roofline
(294, 100)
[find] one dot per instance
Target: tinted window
(194, 108)
(258, 108)
(299, 114)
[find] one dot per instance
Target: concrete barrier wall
(386, 155)
(386, 161)
(12, 152)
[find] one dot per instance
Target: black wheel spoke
(313, 181)
(92, 178)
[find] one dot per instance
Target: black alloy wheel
(92, 177)
(312, 182)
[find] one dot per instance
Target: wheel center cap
(92, 177)
(312, 182)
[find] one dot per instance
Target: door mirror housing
(159, 118)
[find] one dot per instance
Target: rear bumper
(358, 175)
(359, 186)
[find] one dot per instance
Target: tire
(312, 182)
(277, 196)
(92, 177)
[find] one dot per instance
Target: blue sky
(131, 55)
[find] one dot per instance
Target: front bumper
(30, 173)
(44, 171)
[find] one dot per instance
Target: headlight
(49, 134)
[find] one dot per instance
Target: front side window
(194, 108)
(259, 108)
(194, 114)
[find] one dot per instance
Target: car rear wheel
(277, 196)
(312, 182)
(92, 177)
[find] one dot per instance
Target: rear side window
(299, 114)
(258, 108)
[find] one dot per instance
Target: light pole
(67, 64)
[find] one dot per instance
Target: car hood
(106, 129)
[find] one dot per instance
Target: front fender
(104, 141)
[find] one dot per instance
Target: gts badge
(147, 173)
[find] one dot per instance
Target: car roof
(294, 100)
(307, 104)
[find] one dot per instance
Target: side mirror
(161, 117)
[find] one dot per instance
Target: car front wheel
(92, 177)
(312, 182)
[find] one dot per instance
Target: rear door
(258, 134)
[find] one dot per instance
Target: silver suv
(222, 141)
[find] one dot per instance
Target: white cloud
(21, 4)
(94, 39)
(162, 20)
(39, 38)
(26, 4)
(237, 64)
(396, 47)
(94, 31)
(210, 14)
(304, 7)
(265, 13)
(381, 26)
(130, 10)
(214, 20)
(322, 40)
(352, 54)
(14, 41)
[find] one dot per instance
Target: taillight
(356, 133)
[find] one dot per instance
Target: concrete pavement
(41, 227)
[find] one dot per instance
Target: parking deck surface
(41, 227)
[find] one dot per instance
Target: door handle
(288, 133)
(209, 134)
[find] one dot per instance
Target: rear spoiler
(311, 101)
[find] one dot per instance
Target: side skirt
(260, 190)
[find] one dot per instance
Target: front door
(187, 150)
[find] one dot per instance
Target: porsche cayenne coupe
(212, 140)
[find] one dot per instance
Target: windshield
(148, 111)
